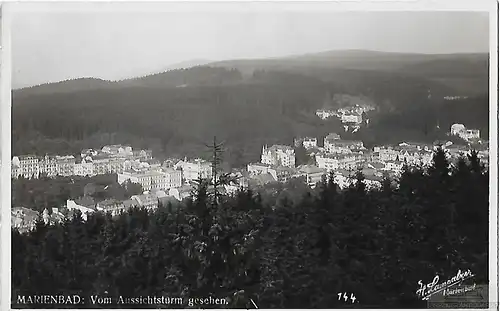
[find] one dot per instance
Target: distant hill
(466, 74)
(249, 103)
(67, 86)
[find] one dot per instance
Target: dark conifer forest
(279, 253)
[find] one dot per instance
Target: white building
(456, 129)
(352, 118)
(48, 166)
(258, 168)
(466, 134)
(173, 178)
(84, 169)
(332, 162)
(310, 142)
(278, 155)
(313, 174)
(343, 146)
(65, 165)
(118, 150)
(85, 210)
(470, 135)
(325, 114)
(148, 179)
(28, 166)
(330, 138)
(195, 169)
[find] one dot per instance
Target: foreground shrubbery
(376, 244)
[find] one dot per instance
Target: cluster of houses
(455, 97)
(110, 159)
(350, 114)
(172, 181)
(470, 135)
(351, 117)
(343, 157)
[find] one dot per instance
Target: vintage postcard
(251, 155)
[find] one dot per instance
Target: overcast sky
(51, 45)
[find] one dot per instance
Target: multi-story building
(456, 129)
(48, 166)
(118, 150)
(84, 169)
(310, 142)
(471, 134)
(173, 178)
(313, 174)
(306, 142)
(278, 155)
(193, 170)
(148, 179)
(387, 154)
(65, 165)
(330, 138)
(352, 118)
(325, 114)
(143, 155)
(395, 166)
(112, 206)
(258, 168)
(28, 166)
(466, 134)
(101, 165)
(343, 146)
(331, 162)
(16, 171)
(116, 165)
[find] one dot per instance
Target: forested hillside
(281, 253)
(251, 103)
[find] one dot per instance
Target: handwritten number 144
(346, 297)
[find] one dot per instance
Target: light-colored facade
(456, 129)
(118, 150)
(71, 205)
(148, 179)
(84, 169)
(313, 174)
(352, 118)
(310, 142)
(28, 166)
(325, 114)
(471, 135)
(258, 168)
(466, 134)
(332, 162)
(173, 178)
(343, 146)
(65, 165)
(181, 193)
(148, 201)
(101, 166)
(48, 166)
(278, 155)
(195, 169)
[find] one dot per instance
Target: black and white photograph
(252, 155)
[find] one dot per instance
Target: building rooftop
(311, 169)
(279, 147)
